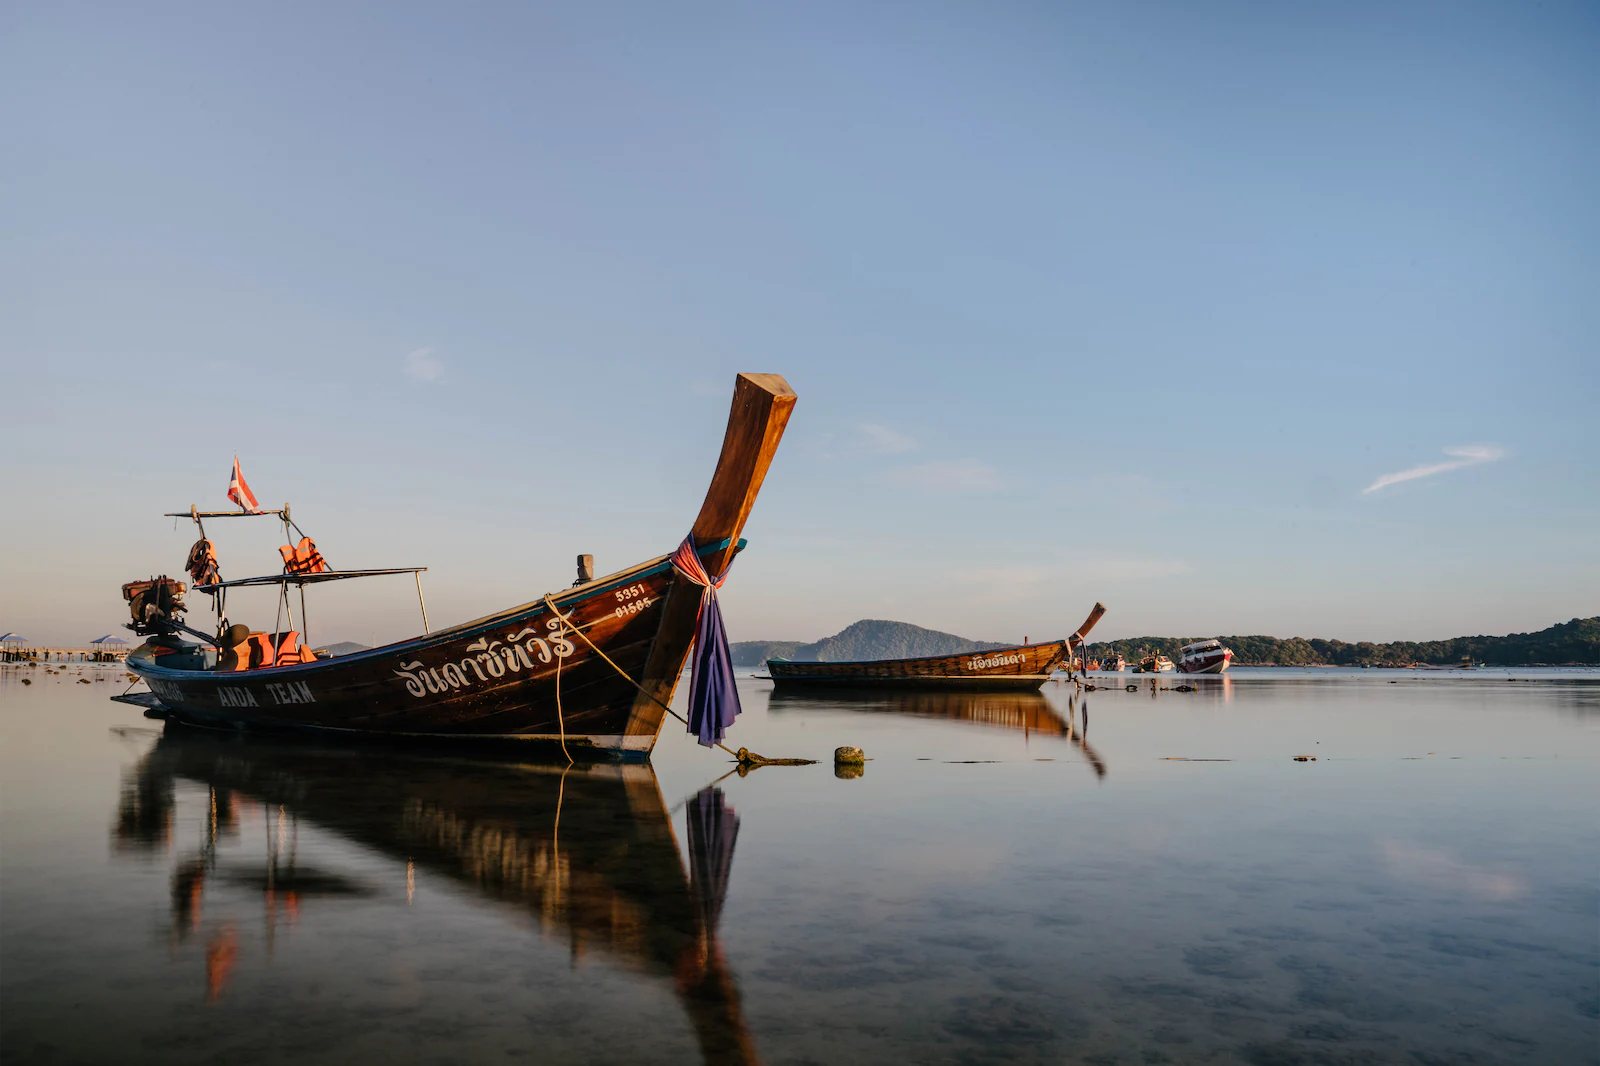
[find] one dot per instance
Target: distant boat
(1022, 667)
(1204, 657)
(1114, 663)
(1154, 664)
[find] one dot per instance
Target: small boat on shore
(1154, 664)
(590, 669)
(1204, 657)
(1021, 667)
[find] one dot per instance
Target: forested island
(1574, 643)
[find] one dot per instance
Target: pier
(87, 654)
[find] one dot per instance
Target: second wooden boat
(1021, 667)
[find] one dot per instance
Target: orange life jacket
(303, 558)
(261, 652)
(290, 652)
(202, 563)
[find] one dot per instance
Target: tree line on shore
(1570, 643)
(1574, 643)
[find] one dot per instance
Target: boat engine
(156, 605)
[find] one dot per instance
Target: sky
(1239, 318)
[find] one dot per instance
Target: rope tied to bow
(713, 692)
(747, 760)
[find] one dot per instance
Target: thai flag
(239, 490)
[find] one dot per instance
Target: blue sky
(1126, 302)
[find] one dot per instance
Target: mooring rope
(744, 755)
(561, 723)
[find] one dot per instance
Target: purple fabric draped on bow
(713, 696)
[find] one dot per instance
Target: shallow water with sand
(1109, 877)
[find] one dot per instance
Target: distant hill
(865, 640)
(1574, 643)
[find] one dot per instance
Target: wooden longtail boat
(522, 674)
(1022, 667)
(588, 851)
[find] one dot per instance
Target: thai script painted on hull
(491, 659)
(993, 661)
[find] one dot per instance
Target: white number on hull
(633, 607)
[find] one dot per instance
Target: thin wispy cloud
(423, 365)
(950, 475)
(1466, 455)
(885, 441)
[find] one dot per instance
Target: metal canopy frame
(306, 579)
(217, 589)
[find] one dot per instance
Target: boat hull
(520, 675)
(1206, 664)
(1021, 668)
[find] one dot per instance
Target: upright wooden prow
(762, 404)
(1076, 641)
(761, 407)
(1088, 623)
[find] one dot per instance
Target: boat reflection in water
(588, 849)
(1028, 712)
(1217, 686)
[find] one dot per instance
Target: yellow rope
(624, 674)
(561, 723)
(744, 755)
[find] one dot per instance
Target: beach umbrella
(108, 639)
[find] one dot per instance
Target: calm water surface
(1124, 877)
